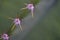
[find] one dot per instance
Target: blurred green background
(47, 29)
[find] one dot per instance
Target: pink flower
(30, 6)
(17, 21)
(5, 36)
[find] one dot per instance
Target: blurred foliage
(48, 28)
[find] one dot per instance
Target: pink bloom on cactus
(30, 6)
(5, 37)
(17, 21)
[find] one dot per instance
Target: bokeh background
(46, 28)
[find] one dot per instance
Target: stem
(32, 13)
(10, 18)
(13, 27)
(23, 8)
(20, 27)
